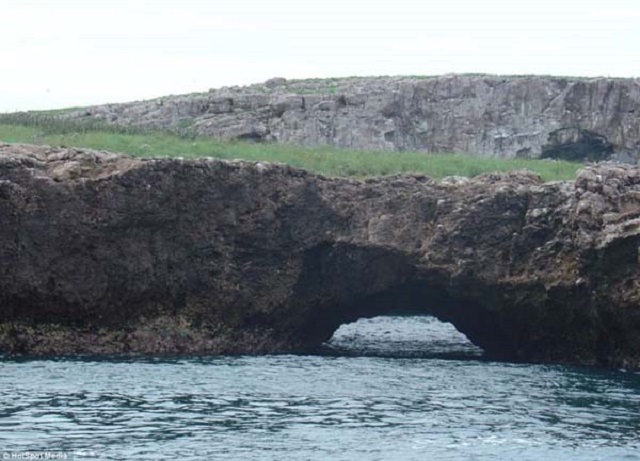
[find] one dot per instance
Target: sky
(58, 54)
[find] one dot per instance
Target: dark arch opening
(480, 325)
(341, 283)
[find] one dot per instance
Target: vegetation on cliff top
(45, 128)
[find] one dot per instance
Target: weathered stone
(275, 82)
(174, 256)
(488, 116)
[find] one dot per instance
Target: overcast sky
(66, 53)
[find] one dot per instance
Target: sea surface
(389, 388)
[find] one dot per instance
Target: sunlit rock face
(488, 116)
(107, 254)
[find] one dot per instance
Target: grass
(330, 161)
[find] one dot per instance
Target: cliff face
(104, 254)
(487, 116)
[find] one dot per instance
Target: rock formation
(488, 116)
(108, 254)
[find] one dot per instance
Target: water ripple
(318, 408)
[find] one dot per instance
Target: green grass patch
(50, 122)
(330, 161)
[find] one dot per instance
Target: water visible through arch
(401, 336)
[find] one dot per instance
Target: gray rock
(488, 116)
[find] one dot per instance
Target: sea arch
(343, 282)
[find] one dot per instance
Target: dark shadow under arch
(479, 324)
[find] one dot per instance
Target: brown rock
(205, 256)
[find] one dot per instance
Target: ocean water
(390, 388)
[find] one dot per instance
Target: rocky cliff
(107, 254)
(489, 116)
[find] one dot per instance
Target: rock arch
(369, 282)
(105, 254)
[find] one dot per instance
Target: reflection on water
(319, 408)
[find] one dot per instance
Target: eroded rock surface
(106, 254)
(489, 116)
